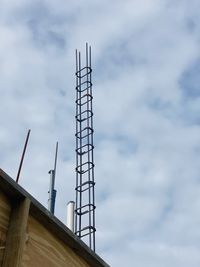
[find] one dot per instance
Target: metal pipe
(52, 192)
(70, 215)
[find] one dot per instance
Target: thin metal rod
(76, 204)
(23, 154)
(56, 155)
(88, 140)
(92, 152)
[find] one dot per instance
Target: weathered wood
(45, 249)
(60, 230)
(5, 209)
(55, 227)
(16, 235)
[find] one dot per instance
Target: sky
(146, 64)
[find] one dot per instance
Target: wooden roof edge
(15, 191)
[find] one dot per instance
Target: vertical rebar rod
(23, 154)
(88, 140)
(76, 203)
(92, 152)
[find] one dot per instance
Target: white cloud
(146, 126)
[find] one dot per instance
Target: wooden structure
(31, 236)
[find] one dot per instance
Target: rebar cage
(85, 185)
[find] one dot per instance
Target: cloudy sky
(146, 65)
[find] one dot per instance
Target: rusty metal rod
(23, 154)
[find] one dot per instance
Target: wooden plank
(60, 230)
(16, 235)
(15, 192)
(45, 249)
(5, 209)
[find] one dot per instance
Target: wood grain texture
(5, 209)
(45, 249)
(16, 235)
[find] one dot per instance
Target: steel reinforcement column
(85, 185)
